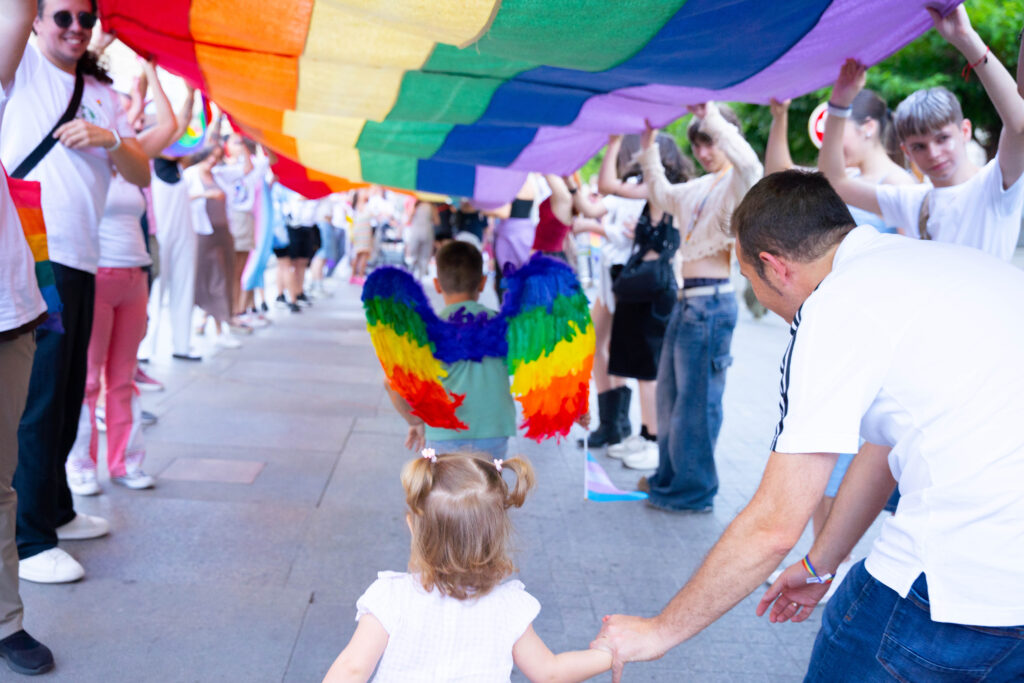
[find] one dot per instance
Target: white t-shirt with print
(433, 637)
(20, 300)
(240, 187)
(978, 213)
(918, 346)
(74, 182)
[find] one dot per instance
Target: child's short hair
(926, 111)
(695, 131)
(460, 527)
(460, 267)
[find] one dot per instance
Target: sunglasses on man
(65, 18)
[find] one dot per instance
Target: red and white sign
(816, 124)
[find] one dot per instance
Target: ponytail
(868, 105)
(417, 480)
(516, 496)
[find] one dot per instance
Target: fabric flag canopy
(463, 97)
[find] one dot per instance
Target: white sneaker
(226, 341)
(50, 566)
(83, 527)
(135, 480)
(630, 445)
(82, 479)
(646, 459)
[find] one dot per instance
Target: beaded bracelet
(814, 578)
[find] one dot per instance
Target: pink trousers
(118, 326)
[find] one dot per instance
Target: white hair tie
(429, 454)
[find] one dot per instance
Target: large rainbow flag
(463, 97)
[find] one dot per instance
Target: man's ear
(437, 286)
(776, 270)
(965, 129)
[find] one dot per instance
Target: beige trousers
(15, 369)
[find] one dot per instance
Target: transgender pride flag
(600, 488)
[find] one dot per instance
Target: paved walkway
(279, 500)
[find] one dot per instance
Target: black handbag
(644, 281)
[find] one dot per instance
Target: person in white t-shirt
(873, 354)
(453, 617)
(22, 310)
(75, 175)
(965, 204)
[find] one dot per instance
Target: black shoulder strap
(47, 143)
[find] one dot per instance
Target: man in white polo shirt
(74, 176)
(916, 346)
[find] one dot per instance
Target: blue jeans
(496, 448)
(691, 380)
(869, 633)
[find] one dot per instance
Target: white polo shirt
(920, 346)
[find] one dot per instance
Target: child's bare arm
(538, 663)
(415, 439)
(357, 661)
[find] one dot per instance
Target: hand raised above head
(851, 79)
(954, 26)
(649, 135)
(778, 108)
(699, 110)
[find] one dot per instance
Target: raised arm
(155, 139)
(585, 204)
(561, 198)
(15, 26)
(776, 153)
(662, 195)
(956, 28)
(747, 168)
(608, 181)
(831, 160)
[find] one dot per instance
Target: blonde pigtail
(417, 480)
(524, 481)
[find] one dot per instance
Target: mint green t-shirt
(488, 409)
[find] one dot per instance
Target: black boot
(607, 412)
(625, 426)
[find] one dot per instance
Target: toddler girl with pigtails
(451, 617)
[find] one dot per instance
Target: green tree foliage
(927, 62)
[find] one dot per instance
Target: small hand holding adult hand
(416, 439)
(79, 134)
(779, 108)
(630, 639)
(794, 598)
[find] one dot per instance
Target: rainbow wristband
(814, 578)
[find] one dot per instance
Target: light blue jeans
(870, 634)
(691, 379)
(496, 448)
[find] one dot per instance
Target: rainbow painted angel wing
(550, 345)
(413, 344)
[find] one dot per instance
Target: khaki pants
(15, 369)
